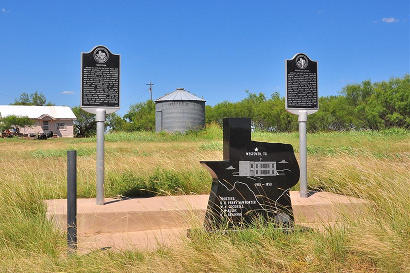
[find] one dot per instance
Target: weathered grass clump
(369, 165)
(160, 182)
(212, 146)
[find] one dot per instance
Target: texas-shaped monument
(252, 181)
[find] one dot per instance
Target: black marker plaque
(301, 83)
(252, 181)
(100, 73)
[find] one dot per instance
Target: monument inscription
(301, 83)
(100, 83)
(252, 181)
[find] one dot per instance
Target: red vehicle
(7, 133)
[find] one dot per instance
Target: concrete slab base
(137, 214)
(137, 240)
(324, 207)
(146, 223)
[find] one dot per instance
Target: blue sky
(216, 49)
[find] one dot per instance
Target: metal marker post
(302, 119)
(100, 119)
(302, 99)
(72, 200)
(100, 95)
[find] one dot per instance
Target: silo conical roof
(178, 95)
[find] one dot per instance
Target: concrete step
(140, 240)
(182, 212)
(129, 215)
(324, 207)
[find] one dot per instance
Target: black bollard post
(72, 200)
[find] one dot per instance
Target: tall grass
(160, 182)
(369, 165)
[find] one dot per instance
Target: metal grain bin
(179, 111)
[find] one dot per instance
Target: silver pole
(303, 153)
(100, 119)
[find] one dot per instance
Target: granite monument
(253, 180)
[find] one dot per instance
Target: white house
(57, 119)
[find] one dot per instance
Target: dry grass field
(370, 165)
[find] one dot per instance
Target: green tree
(389, 105)
(357, 94)
(273, 116)
(35, 98)
(140, 117)
(335, 114)
(266, 114)
(380, 105)
(115, 122)
(359, 106)
(14, 122)
(85, 124)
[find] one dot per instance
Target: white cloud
(67, 92)
(389, 20)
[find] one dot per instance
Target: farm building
(179, 111)
(58, 120)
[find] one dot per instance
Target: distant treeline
(367, 105)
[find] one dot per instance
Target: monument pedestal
(323, 209)
(146, 223)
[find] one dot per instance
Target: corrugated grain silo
(179, 111)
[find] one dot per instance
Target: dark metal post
(72, 200)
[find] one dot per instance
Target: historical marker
(302, 99)
(100, 95)
(253, 180)
(100, 80)
(301, 83)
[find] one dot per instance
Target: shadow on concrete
(310, 193)
(132, 194)
(113, 201)
(137, 192)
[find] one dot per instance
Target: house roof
(178, 95)
(36, 112)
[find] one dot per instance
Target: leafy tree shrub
(359, 106)
(35, 98)
(14, 122)
(85, 124)
(140, 117)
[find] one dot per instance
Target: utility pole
(150, 88)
